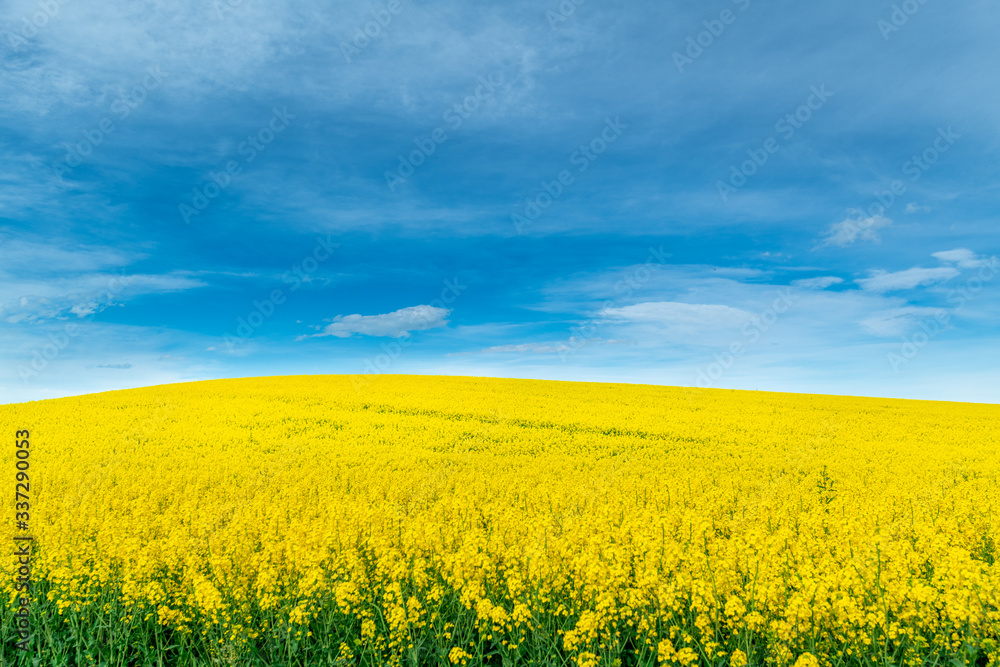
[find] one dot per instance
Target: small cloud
(397, 324)
(964, 258)
(897, 321)
(857, 228)
(120, 367)
(210, 349)
(913, 208)
(817, 283)
(880, 281)
(84, 309)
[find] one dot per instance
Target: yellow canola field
(690, 526)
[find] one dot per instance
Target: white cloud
(82, 295)
(685, 315)
(817, 283)
(397, 324)
(88, 308)
(534, 348)
(913, 208)
(964, 258)
(553, 348)
(880, 281)
(582, 293)
(31, 257)
(897, 321)
(856, 228)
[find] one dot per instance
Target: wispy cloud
(82, 295)
(533, 348)
(963, 258)
(555, 347)
(36, 257)
(690, 316)
(817, 283)
(882, 281)
(896, 321)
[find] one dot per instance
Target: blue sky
(775, 196)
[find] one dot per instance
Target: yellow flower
(807, 660)
(665, 651)
(606, 510)
(458, 656)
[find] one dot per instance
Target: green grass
(95, 635)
